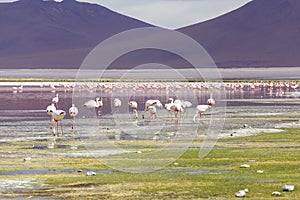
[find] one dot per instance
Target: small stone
(276, 193)
(139, 152)
(260, 171)
(74, 148)
(240, 193)
(50, 146)
(91, 173)
(288, 188)
(175, 164)
(27, 159)
(244, 166)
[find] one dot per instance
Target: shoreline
(262, 73)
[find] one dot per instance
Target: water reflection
(29, 102)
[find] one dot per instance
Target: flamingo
(50, 109)
(152, 110)
(133, 105)
(58, 115)
(156, 103)
(176, 107)
(186, 105)
(18, 89)
(200, 110)
(117, 103)
(211, 101)
(92, 104)
(168, 108)
(52, 87)
(55, 100)
(73, 112)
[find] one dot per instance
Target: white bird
(52, 87)
(186, 105)
(50, 109)
(58, 115)
(73, 112)
(200, 110)
(152, 111)
(94, 104)
(168, 107)
(55, 100)
(176, 108)
(19, 88)
(152, 102)
(133, 105)
(117, 103)
(211, 101)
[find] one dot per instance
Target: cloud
(172, 13)
(169, 13)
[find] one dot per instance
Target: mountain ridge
(262, 33)
(34, 28)
(48, 34)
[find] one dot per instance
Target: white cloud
(170, 13)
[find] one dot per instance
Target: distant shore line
(157, 75)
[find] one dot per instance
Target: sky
(170, 14)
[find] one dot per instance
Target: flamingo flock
(57, 115)
(150, 109)
(175, 107)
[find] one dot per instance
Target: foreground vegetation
(218, 176)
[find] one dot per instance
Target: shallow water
(23, 116)
(22, 111)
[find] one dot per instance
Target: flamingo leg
(201, 120)
(176, 118)
(99, 113)
(50, 124)
(194, 118)
(61, 126)
(73, 126)
(57, 128)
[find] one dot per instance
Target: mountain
(49, 34)
(262, 33)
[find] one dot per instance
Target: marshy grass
(217, 176)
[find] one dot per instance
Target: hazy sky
(170, 13)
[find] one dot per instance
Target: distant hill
(48, 34)
(261, 33)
